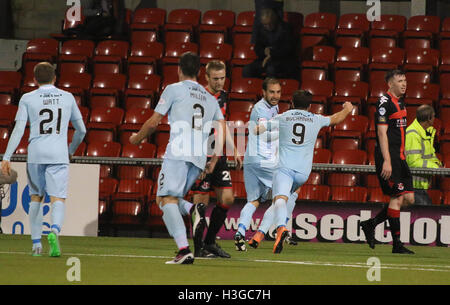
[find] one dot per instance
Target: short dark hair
(190, 64)
(392, 73)
(424, 113)
(301, 99)
(271, 81)
(44, 73)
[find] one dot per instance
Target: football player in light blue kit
(191, 111)
(49, 110)
(298, 130)
(259, 161)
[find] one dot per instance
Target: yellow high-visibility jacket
(420, 152)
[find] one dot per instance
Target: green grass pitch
(113, 260)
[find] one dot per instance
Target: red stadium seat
(338, 142)
(243, 55)
(135, 118)
(371, 181)
(6, 98)
(357, 23)
(78, 47)
(388, 26)
(103, 149)
(219, 17)
(288, 87)
(110, 56)
(175, 49)
(430, 24)
(240, 119)
(143, 85)
(320, 20)
(127, 212)
(445, 89)
(131, 172)
(10, 81)
(184, 16)
(341, 179)
(7, 115)
(138, 102)
(143, 150)
(354, 123)
(423, 91)
(156, 16)
(314, 192)
(349, 193)
(107, 187)
(81, 150)
(352, 58)
(144, 33)
(322, 58)
(239, 190)
(386, 58)
(314, 178)
(321, 90)
(237, 175)
(245, 18)
(45, 46)
(418, 77)
(4, 133)
(322, 155)
(109, 84)
(245, 89)
(209, 52)
(345, 156)
(106, 118)
(308, 75)
(382, 42)
(240, 106)
(78, 83)
(375, 194)
(436, 196)
(422, 60)
(206, 38)
(98, 135)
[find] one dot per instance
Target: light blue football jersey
(298, 130)
(49, 111)
(191, 112)
(260, 148)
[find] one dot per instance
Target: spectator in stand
(276, 5)
(103, 18)
(274, 47)
(420, 153)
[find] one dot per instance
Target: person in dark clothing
(274, 47)
(6, 22)
(103, 18)
(275, 5)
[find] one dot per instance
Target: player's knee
(36, 198)
(408, 199)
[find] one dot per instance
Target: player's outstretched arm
(147, 129)
(78, 136)
(340, 116)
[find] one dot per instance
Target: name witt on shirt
(50, 99)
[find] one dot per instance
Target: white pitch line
(434, 268)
